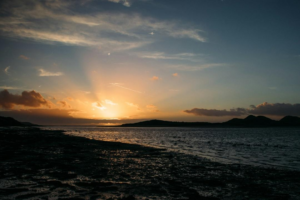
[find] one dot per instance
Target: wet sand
(39, 164)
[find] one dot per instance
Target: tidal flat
(45, 164)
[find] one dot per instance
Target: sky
(117, 61)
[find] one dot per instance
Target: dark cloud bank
(276, 109)
(30, 99)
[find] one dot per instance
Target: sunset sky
(118, 61)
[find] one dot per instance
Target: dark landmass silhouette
(9, 121)
(250, 121)
(29, 124)
(290, 121)
(161, 123)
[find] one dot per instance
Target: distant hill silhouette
(250, 121)
(161, 123)
(290, 121)
(9, 121)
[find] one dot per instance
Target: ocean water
(270, 147)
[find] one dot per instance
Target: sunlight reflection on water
(255, 146)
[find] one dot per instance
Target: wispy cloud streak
(6, 70)
(163, 56)
(23, 57)
(126, 3)
(98, 106)
(57, 22)
(46, 73)
(197, 67)
(109, 102)
(126, 88)
(154, 78)
(8, 88)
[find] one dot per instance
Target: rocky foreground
(39, 164)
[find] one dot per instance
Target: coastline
(42, 164)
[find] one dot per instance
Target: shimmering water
(278, 147)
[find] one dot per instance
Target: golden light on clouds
(24, 57)
(98, 106)
(6, 70)
(155, 78)
(152, 108)
(109, 102)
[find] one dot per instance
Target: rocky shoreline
(41, 164)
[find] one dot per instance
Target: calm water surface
(278, 147)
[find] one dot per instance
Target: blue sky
(142, 59)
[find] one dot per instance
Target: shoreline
(44, 164)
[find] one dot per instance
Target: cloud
(8, 88)
(124, 2)
(276, 109)
(30, 99)
(273, 88)
(175, 74)
(152, 108)
(279, 109)
(52, 22)
(120, 85)
(188, 33)
(98, 106)
(23, 57)
(46, 73)
(6, 70)
(154, 78)
(132, 105)
(58, 4)
(216, 113)
(164, 56)
(64, 104)
(194, 62)
(196, 67)
(109, 102)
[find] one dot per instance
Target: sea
(266, 147)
